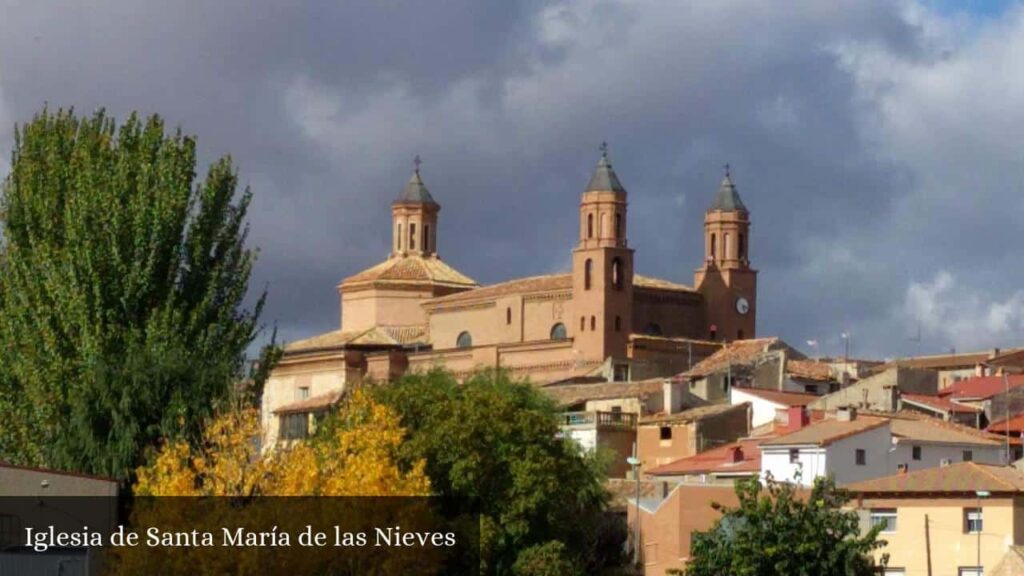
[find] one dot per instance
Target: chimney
(672, 396)
(797, 417)
(735, 454)
(901, 468)
(846, 414)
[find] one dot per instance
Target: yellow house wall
(950, 547)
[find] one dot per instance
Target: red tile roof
(809, 370)
(959, 478)
(719, 460)
(828, 431)
(780, 397)
(735, 352)
(939, 403)
(981, 387)
(1014, 425)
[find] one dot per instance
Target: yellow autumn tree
(358, 459)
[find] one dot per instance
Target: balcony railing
(599, 419)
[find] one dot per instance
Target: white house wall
(762, 411)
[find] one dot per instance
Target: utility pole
(927, 545)
(1006, 412)
(634, 461)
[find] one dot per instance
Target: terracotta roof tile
(717, 461)
(735, 352)
(547, 283)
(571, 394)
(939, 403)
(410, 269)
(660, 284)
(318, 402)
(932, 430)
(809, 370)
(337, 338)
(692, 415)
(981, 387)
(1014, 425)
(939, 361)
(827, 431)
(959, 478)
(780, 397)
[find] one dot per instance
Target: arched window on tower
(593, 322)
(558, 332)
(465, 340)
(508, 315)
(617, 273)
(426, 237)
(583, 323)
(588, 269)
(618, 323)
(590, 225)
(618, 226)
(742, 247)
(412, 236)
(399, 237)
(712, 255)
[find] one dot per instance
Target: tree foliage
(774, 532)
(492, 446)
(360, 457)
(121, 291)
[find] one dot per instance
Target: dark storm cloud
(838, 119)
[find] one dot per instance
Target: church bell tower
(602, 269)
(726, 280)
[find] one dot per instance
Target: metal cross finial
(416, 162)
(726, 169)
(604, 149)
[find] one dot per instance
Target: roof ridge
(983, 470)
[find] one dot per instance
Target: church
(599, 321)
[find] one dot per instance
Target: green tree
(121, 290)
(492, 447)
(774, 531)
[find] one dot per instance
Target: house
(765, 403)
(957, 520)
(723, 465)
(942, 407)
(997, 396)
(667, 523)
(854, 447)
(952, 367)
(1012, 430)
(881, 391)
(664, 438)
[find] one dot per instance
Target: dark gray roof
(416, 191)
(604, 178)
(727, 199)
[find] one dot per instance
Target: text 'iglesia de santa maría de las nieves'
(413, 311)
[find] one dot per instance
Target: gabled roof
(375, 336)
(1013, 358)
(737, 352)
(981, 387)
(691, 415)
(960, 478)
(416, 191)
(779, 397)
(939, 404)
(412, 269)
(926, 429)
(604, 178)
(727, 199)
(827, 431)
(721, 460)
(659, 284)
(944, 361)
(571, 394)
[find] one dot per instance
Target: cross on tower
(604, 149)
(416, 162)
(726, 169)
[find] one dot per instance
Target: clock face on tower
(742, 306)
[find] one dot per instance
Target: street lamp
(981, 519)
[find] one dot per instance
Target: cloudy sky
(878, 143)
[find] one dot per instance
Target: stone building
(413, 311)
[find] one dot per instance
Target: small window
(400, 239)
(412, 236)
(302, 393)
(583, 323)
(617, 281)
(794, 456)
(915, 453)
(558, 332)
(618, 226)
(621, 373)
(712, 245)
(590, 225)
(884, 517)
(426, 237)
(588, 269)
(739, 334)
(593, 323)
(652, 329)
(616, 409)
(861, 457)
(743, 247)
(973, 523)
(713, 333)
(294, 426)
(666, 432)
(508, 315)
(810, 389)
(465, 340)
(968, 455)
(618, 324)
